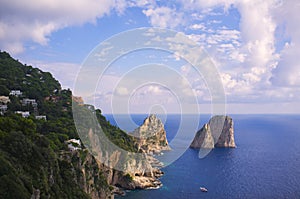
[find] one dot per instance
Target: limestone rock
(151, 136)
(226, 138)
(218, 132)
(135, 173)
(203, 138)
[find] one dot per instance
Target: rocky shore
(151, 139)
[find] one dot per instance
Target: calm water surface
(265, 164)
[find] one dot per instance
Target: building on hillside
(4, 99)
(24, 114)
(3, 108)
(17, 93)
(41, 117)
(74, 144)
(3, 104)
(27, 101)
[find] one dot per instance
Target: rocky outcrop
(122, 171)
(226, 138)
(109, 170)
(150, 139)
(87, 173)
(203, 138)
(143, 174)
(151, 136)
(218, 132)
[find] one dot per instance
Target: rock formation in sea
(150, 139)
(137, 173)
(218, 132)
(151, 136)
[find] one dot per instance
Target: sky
(253, 44)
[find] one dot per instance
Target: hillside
(33, 82)
(39, 153)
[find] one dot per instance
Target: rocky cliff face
(203, 138)
(136, 173)
(150, 139)
(218, 132)
(100, 182)
(151, 136)
(88, 174)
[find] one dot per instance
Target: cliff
(124, 170)
(151, 136)
(36, 157)
(128, 166)
(87, 174)
(218, 132)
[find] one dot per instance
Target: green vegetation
(33, 82)
(115, 134)
(33, 152)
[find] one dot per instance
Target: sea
(265, 164)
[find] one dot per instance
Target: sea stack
(151, 135)
(218, 132)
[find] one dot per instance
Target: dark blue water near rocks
(265, 164)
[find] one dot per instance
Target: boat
(203, 189)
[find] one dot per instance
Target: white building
(74, 141)
(27, 101)
(74, 144)
(16, 93)
(3, 109)
(41, 117)
(23, 113)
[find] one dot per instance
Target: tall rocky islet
(151, 136)
(218, 132)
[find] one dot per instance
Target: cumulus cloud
(252, 64)
(164, 17)
(32, 20)
(247, 56)
(287, 72)
(206, 4)
(200, 26)
(257, 32)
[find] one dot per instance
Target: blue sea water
(265, 164)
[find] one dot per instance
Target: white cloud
(287, 72)
(164, 17)
(122, 91)
(33, 20)
(207, 5)
(144, 3)
(257, 33)
(200, 26)
(252, 65)
(246, 55)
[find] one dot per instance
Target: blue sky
(254, 44)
